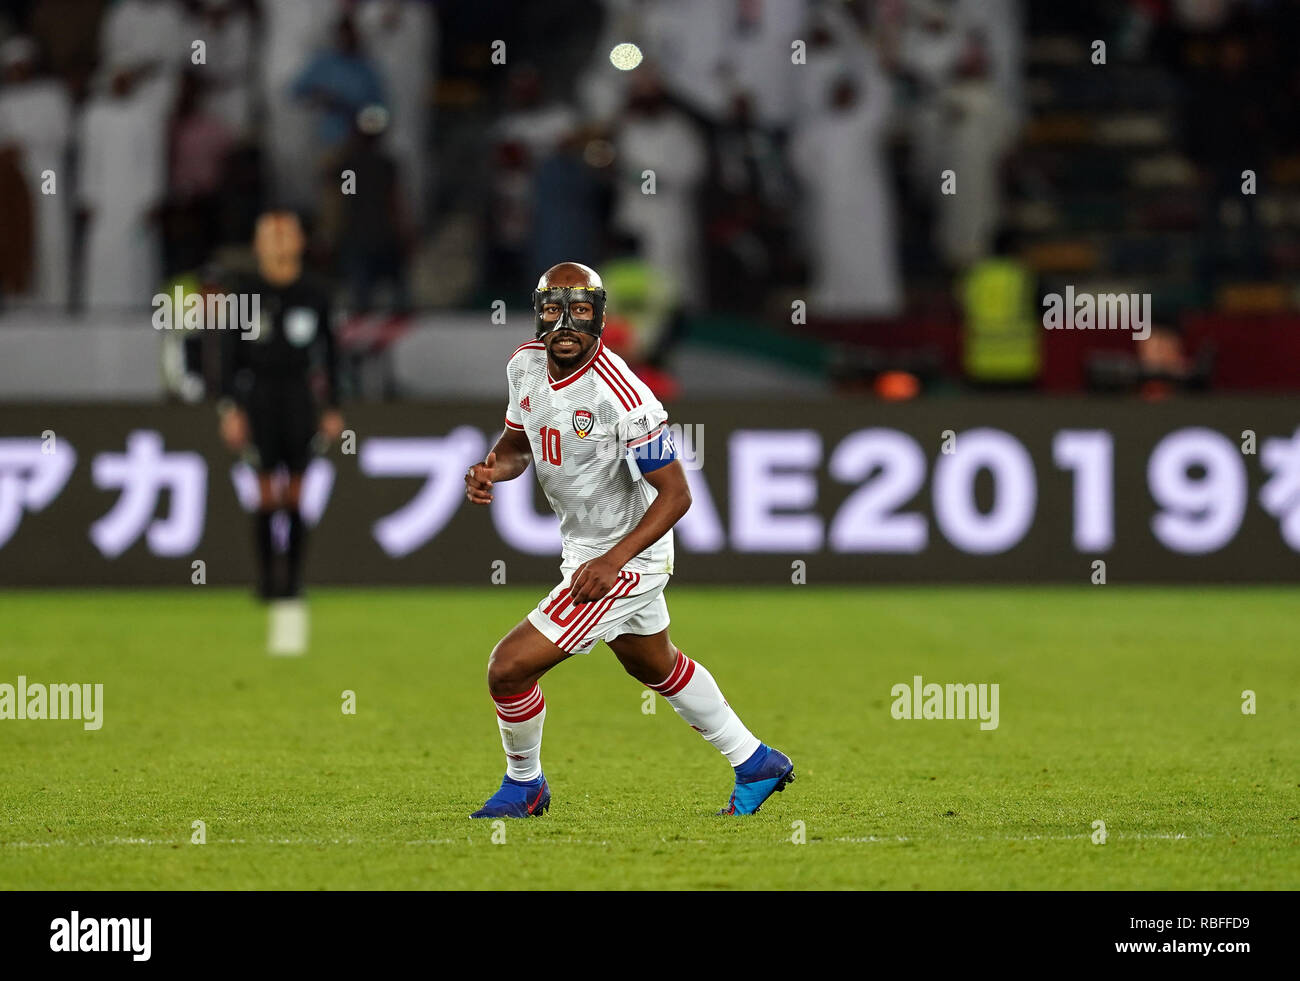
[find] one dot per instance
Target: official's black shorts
(283, 418)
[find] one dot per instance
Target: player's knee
(506, 674)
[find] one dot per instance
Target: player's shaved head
(570, 305)
(569, 274)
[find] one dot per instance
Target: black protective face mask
(565, 297)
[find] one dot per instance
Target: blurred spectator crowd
(868, 157)
(140, 138)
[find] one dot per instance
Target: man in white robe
(36, 116)
(761, 57)
(123, 180)
(653, 136)
(981, 128)
(839, 155)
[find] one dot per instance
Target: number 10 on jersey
(551, 446)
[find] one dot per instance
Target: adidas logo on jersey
(525, 406)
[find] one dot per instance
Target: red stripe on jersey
(530, 346)
(513, 425)
(586, 623)
(557, 385)
(613, 388)
(621, 376)
(628, 389)
(645, 439)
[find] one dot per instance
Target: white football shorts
(635, 605)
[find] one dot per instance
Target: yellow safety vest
(1001, 322)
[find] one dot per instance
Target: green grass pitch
(1117, 704)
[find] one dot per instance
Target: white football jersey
(581, 429)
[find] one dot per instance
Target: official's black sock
(265, 553)
(297, 544)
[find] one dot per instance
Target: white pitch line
(310, 842)
(873, 839)
(870, 839)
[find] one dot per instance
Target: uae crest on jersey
(583, 420)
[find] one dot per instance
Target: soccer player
(268, 409)
(604, 458)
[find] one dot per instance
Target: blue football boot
(765, 773)
(516, 799)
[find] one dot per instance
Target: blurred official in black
(268, 410)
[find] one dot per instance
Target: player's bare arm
(595, 578)
(508, 459)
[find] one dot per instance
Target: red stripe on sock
(677, 678)
(520, 708)
(685, 680)
(672, 675)
(524, 716)
(513, 698)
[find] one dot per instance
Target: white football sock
(696, 697)
(520, 719)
